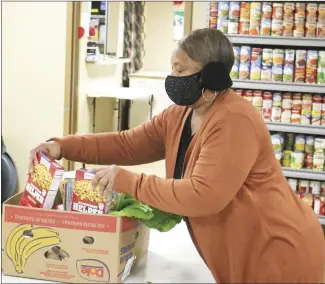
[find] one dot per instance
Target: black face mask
(186, 90)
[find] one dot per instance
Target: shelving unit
(285, 42)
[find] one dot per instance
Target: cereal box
(88, 200)
(42, 185)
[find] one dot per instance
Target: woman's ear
(215, 77)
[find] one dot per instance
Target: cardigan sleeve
(140, 145)
(226, 158)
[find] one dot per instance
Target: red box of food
(42, 185)
(85, 199)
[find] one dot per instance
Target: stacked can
(289, 141)
(311, 66)
(223, 12)
(213, 20)
(266, 19)
(277, 19)
(234, 73)
(248, 95)
(306, 109)
(244, 66)
(258, 100)
(322, 122)
(300, 66)
(321, 67)
(286, 108)
(278, 141)
(297, 156)
(276, 107)
(319, 154)
(267, 62)
(233, 21)
(255, 18)
(288, 18)
(296, 108)
(309, 152)
(321, 21)
(310, 28)
(316, 109)
(244, 18)
(256, 62)
(277, 68)
(300, 16)
(288, 68)
(267, 106)
(240, 92)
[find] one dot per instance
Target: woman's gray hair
(208, 45)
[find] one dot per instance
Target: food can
(277, 11)
(277, 99)
(277, 28)
(299, 29)
(319, 205)
(256, 56)
(305, 116)
(244, 71)
(268, 96)
(278, 56)
(266, 10)
(213, 22)
(255, 11)
(288, 73)
(316, 110)
(277, 73)
(322, 189)
(248, 95)
(286, 115)
(297, 160)
(267, 57)
(257, 99)
(323, 112)
(315, 187)
(266, 73)
(307, 100)
(295, 116)
(287, 30)
(289, 141)
(289, 57)
(243, 27)
(311, 16)
(276, 114)
(303, 186)
(234, 73)
(321, 76)
(293, 182)
(311, 66)
(234, 10)
(300, 11)
(266, 112)
(286, 158)
(309, 161)
(245, 11)
(254, 27)
(321, 13)
(277, 142)
(265, 27)
(320, 31)
(239, 92)
(297, 101)
(255, 72)
(300, 66)
(287, 101)
(319, 145)
(321, 59)
(300, 142)
(223, 13)
(236, 50)
(245, 54)
(288, 11)
(233, 26)
(318, 162)
(309, 145)
(222, 24)
(308, 198)
(310, 30)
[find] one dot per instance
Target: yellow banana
(33, 234)
(12, 240)
(33, 246)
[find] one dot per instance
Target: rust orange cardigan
(245, 220)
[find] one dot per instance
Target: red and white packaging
(42, 186)
(85, 199)
(319, 205)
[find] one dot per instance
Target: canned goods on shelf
(311, 16)
(321, 13)
(310, 144)
(277, 73)
(278, 56)
(276, 114)
(309, 161)
(244, 27)
(233, 26)
(234, 10)
(265, 27)
(245, 54)
(320, 32)
(319, 145)
(267, 57)
(297, 160)
(303, 186)
(277, 11)
(287, 30)
(266, 73)
(255, 11)
(315, 187)
(244, 71)
(287, 101)
(300, 11)
(277, 99)
(254, 27)
(299, 29)
(266, 10)
(305, 116)
(310, 30)
(318, 162)
(286, 115)
(293, 182)
(295, 116)
(245, 11)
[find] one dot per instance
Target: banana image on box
(24, 240)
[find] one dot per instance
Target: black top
(185, 141)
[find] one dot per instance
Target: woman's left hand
(104, 177)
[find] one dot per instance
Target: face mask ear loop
(215, 95)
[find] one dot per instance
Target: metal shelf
(321, 220)
(297, 128)
(96, 41)
(277, 40)
(279, 86)
(303, 174)
(97, 16)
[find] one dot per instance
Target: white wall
(33, 69)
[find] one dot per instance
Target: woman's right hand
(52, 148)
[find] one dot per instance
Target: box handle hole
(88, 240)
(28, 234)
(57, 253)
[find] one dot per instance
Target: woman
(243, 217)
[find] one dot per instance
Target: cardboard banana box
(69, 247)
